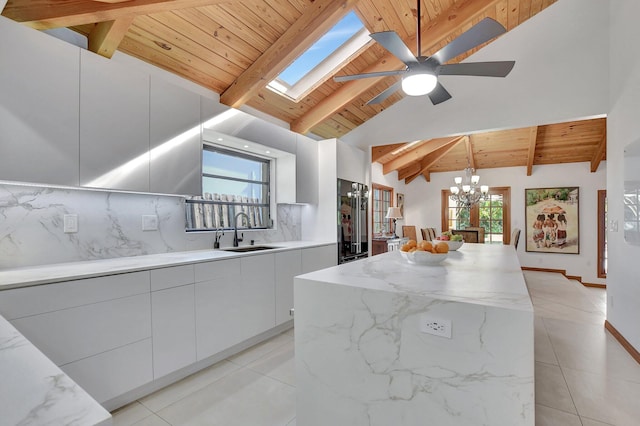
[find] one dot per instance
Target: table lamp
(394, 213)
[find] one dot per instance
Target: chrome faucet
(236, 240)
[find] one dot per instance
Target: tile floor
(583, 376)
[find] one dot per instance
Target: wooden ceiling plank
(312, 24)
(419, 152)
(378, 152)
(47, 14)
(468, 144)
(434, 31)
(106, 36)
(533, 139)
(599, 153)
(435, 156)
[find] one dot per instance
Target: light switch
(149, 222)
(70, 223)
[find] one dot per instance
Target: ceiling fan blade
(482, 69)
(386, 93)
(480, 33)
(439, 94)
(391, 41)
(342, 78)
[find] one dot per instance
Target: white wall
(423, 207)
(561, 66)
(623, 128)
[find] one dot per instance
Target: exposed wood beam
(377, 152)
(533, 139)
(600, 152)
(433, 157)
(111, 1)
(316, 20)
(435, 31)
(47, 14)
(418, 153)
(468, 143)
(105, 38)
(410, 179)
(410, 170)
(427, 175)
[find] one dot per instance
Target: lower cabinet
(258, 294)
(218, 306)
(288, 265)
(173, 329)
(316, 258)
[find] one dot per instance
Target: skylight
(326, 54)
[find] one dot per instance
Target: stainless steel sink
(245, 249)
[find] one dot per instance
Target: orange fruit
(405, 247)
(412, 243)
(426, 245)
(442, 248)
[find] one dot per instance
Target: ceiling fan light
(419, 84)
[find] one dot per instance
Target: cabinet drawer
(22, 302)
(113, 373)
(171, 277)
(219, 269)
(71, 334)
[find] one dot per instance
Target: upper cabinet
(38, 107)
(114, 125)
(176, 139)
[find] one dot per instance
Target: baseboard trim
(564, 272)
(624, 342)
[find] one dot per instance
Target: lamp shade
(419, 84)
(393, 213)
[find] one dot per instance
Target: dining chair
(409, 231)
(428, 234)
(480, 230)
(515, 238)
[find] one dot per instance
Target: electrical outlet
(149, 222)
(436, 326)
(70, 223)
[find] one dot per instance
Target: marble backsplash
(109, 225)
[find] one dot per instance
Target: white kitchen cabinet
(175, 139)
(315, 258)
(114, 125)
(74, 333)
(174, 276)
(110, 374)
(218, 306)
(39, 121)
(288, 265)
(258, 294)
(306, 170)
(174, 329)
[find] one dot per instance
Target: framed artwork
(551, 218)
(400, 203)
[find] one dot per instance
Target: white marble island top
(478, 273)
(46, 394)
(366, 354)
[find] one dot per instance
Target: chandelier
(467, 192)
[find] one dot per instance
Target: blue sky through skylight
(321, 49)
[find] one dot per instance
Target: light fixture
(395, 214)
(419, 84)
(466, 192)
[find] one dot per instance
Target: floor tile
(130, 414)
(278, 364)
(546, 416)
(590, 348)
(542, 344)
(603, 398)
(590, 422)
(241, 398)
(551, 388)
(255, 352)
(152, 420)
(175, 392)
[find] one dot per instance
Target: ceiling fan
(420, 77)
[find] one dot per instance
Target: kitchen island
(365, 355)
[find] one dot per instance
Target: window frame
(389, 222)
(602, 233)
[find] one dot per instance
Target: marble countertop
(36, 392)
(484, 274)
(46, 274)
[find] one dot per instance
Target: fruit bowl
(454, 245)
(423, 257)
